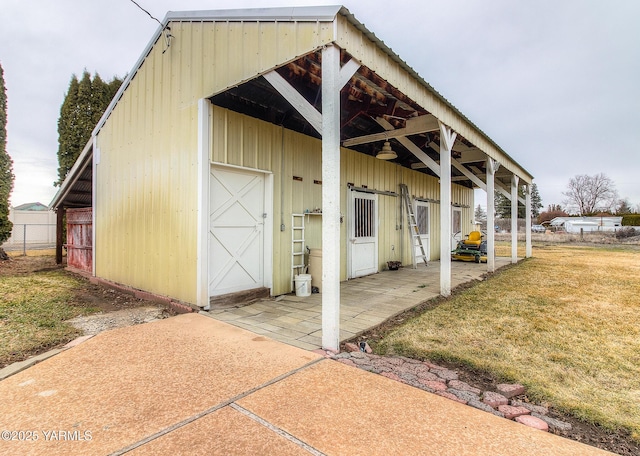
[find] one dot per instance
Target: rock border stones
(444, 382)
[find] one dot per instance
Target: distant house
(33, 223)
(243, 136)
(586, 224)
(32, 207)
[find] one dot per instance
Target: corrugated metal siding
(146, 197)
(146, 210)
(242, 141)
(217, 55)
(370, 55)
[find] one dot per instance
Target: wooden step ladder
(416, 240)
(297, 246)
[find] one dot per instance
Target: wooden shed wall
(243, 141)
(146, 196)
(79, 239)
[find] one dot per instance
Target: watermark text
(59, 435)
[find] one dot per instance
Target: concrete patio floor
(365, 303)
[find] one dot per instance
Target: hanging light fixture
(386, 153)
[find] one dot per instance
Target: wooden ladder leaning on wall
(414, 232)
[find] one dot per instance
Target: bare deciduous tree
(589, 194)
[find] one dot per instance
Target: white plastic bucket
(315, 268)
(303, 284)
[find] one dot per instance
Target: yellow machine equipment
(472, 248)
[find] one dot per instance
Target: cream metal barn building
(236, 125)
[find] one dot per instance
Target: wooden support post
(528, 221)
(447, 138)
(492, 167)
(202, 250)
(328, 125)
(59, 233)
(514, 219)
(330, 198)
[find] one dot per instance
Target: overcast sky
(556, 83)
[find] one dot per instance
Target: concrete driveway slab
(126, 384)
(339, 409)
(223, 432)
(193, 385)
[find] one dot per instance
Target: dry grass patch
(33, 308)
(565, 323)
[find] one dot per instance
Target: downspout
(282, 226)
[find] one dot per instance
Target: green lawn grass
(565, 323)
(33, 308)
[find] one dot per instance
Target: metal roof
(37, 206)
(289, 13)
(250, 97)
(76, 189)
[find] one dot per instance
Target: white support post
(492, 167)
(94, 202)
(528, 220)
(447, 138)
(328, 125)
(331, 198)
(514, 219)
(202, 244)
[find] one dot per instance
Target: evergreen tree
(536, 201)
(99, 101)
(503, 204)
(112, 89)
(83, 106)
(6, 167)
(68, 143)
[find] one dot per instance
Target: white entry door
(236, 230)
(456, 226)
(423, 218)
(363, 234)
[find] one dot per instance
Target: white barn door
(236, 230)
(456, 227)
(423, 219)
(363, 234)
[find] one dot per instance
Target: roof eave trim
(300, 13)
(320, 13)
(404, 65)
(73, 175)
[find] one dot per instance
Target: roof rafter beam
(471, 156)
(414, 126)
(411, 147)
(500, 187)
(468, 174)
(299, 103)
(347, 71)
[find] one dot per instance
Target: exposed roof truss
(372, 111)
